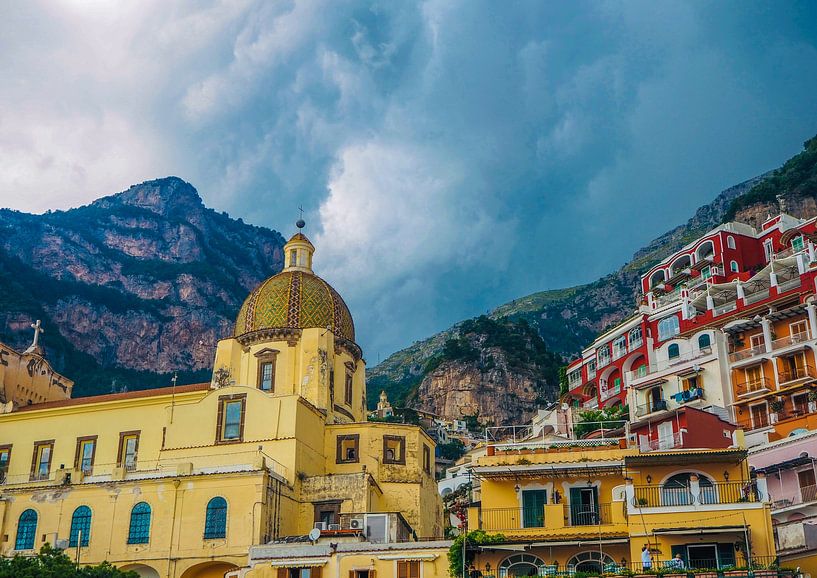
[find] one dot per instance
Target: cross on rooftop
(37, 327)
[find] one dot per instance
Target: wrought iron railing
(499, 519)
(794, 373)
(712, 493)
(587, 514)
(754, 385)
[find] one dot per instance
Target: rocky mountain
(494, 371)
(132, 287)
(569, 319)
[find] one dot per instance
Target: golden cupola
(295, 298)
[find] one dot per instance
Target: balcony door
(533, 508)
(584, 506)
(808, 485)
(794, 367)
(665, 435)
(760, 418)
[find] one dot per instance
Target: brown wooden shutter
(402, 569)
(351, 574)
(415, 569)
(283, 573)
(373, 573)
(315, 572)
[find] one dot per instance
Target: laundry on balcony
(689, 395)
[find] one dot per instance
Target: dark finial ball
(300, 223)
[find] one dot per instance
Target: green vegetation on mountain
(797, 178)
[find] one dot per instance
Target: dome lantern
(298, 251)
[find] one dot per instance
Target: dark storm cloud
(451, 155)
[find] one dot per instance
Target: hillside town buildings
(724, 338)
(272, 469)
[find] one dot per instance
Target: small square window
(348, 448)
(394, 449)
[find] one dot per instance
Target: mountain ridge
(570, 318)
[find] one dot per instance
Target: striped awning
(299, 562)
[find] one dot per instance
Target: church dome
(295, 298)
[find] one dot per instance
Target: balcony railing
(747, 353)
(760, 384)
(807, 495)
(666, 364)
(750, 298)
(587, 514)
(712, 493)
(795, 373)
(591, 403)
(642, 410)
(511, 518)
(790, 340)
(662, 443)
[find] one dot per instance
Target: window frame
(36, 460)
(673, 347)
(220, 532)
(5, 449)
(267, 357)
(73, 535)
(78, 454)
(404, 568)
(221, 424)
(675, 327)
(401, 444)
(339, 456)
(121, 455)
(139, 539)
(31, 535)
(734, 267)
(348, 388)
(426, 459)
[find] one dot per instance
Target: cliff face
(499, 396)
(496, 371)
(568, 319)
(133, 285)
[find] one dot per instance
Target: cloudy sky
(451, 155)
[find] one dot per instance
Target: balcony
(754, 387)
(666, 366)
(549, 517)
(592, 403)
(753, 351)
(713, 493)
(791, 340)
(504, 519)
(663, 443)
(654, 407)
(587, 514)
(807, 495)
(795, 373)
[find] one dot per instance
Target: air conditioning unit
(320, 525)
(356, 523)
(334, 526)
(62, 544)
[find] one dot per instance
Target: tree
(53, 563)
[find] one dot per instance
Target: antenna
(173, 396)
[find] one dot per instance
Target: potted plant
(812, 400)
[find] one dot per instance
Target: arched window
(80, 526)
(676, 491)
(668, 327)
(522, 564)
(673, 351)
(215, 520)
(139, 532)
(730, 242)
(733, 266)
(26, 531)
(704, 341)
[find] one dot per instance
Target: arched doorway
(592, 561)
(520, 565)
(142, 570)
(209, 570)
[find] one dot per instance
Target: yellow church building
(180, 482)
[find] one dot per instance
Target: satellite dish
(314, 534)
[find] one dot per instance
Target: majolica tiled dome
(295, 298)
